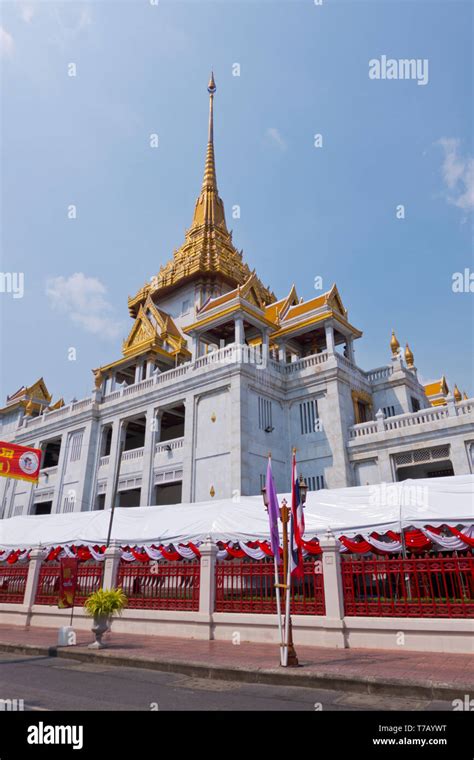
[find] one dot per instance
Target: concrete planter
(101, 626)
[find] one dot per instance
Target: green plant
(105, 602)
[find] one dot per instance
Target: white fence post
(207, 581)
(34, 567)
(111, 566)
(333, 591)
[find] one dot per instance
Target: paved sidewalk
(437, 676)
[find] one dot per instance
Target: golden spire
(394, 344)
(464, 396)
(209, 207)
(457, 394)
(208, 248)
(210, 181)
(409, 358)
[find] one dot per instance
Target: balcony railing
(172, 445)
(412, 419)
(378, 374)
(132, 454)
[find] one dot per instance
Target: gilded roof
(208, 249)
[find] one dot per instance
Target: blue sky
(305, 211)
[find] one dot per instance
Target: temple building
(217, 371)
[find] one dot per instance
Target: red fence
(89, 580)
(160, 585)
(249, 586)
(427, 587)
(13, 583)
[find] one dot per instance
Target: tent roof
(345, 511)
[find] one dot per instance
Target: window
(265, 414)
(308, 417)
(69, 503)
(51, 453)
(43, 508)
(75, 446)
(415, 404)
(362, 412)
(185, 307)
(315, 482)
(389, 411)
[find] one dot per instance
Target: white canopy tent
(345, 511)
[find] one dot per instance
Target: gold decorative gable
(250, 291)
(142, 336)
(150, 330)
(39, 391)
(334, 301)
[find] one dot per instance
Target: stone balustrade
(412, 419)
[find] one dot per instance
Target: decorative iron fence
(13, 583)
(249, 586)
(161, 585)
(427, 587)
(89, 580)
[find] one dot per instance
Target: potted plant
(102, 605)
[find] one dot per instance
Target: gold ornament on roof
(464, 396)
(394, 344)
(98, 379)
(409, 358)
(29, 408)
(212, 492)
(457, 394)
(208, 248)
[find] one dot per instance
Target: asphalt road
(46, 683)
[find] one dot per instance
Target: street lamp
(303, 488)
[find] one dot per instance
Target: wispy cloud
(84, 300)
(458, 173)
(275, 138)
(6, 43)
(27, 12)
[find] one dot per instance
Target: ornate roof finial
(394, 344)
(211, 87)
(464, 396)
(29, 408)
(409, 358)
(457, 394)
(210, 181)
(98, 378)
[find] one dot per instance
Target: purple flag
(273, 511)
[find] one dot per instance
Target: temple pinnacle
(211, 87)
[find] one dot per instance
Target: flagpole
(287, 604)
(275, 563)
(291, 656)
(278, 601)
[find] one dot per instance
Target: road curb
(429, 690)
